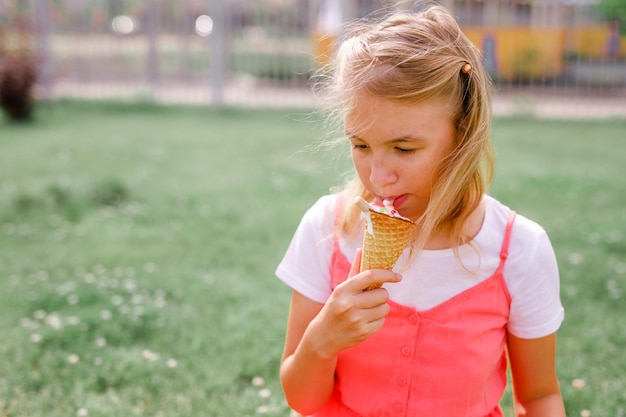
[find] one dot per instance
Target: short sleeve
(536, 308)
(306, 264)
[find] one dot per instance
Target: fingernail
(398, 277)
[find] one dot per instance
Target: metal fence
(239, 52)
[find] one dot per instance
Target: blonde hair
(407, 58)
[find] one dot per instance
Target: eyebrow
(402, 139)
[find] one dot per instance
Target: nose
(382, 172)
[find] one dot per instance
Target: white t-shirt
(434, 276)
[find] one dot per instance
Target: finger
(376, 313)
(374, 278)
(371, 299)
(356, 265)
(375, 325)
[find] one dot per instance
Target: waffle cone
(391, 237)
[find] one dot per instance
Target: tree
(614, 10)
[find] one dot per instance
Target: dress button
(412, 319)
(397, 407)
(401, 381)
(406, 350)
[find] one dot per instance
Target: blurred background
(547, 57)
(144, 209)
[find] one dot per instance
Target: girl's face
(397, 148)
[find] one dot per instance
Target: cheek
(361, 166)
(418, 172)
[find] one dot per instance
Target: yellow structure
(540, 48)
(323, 47)
(520, 52)
(595, 42)
(524, 53)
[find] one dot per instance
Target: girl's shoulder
(523, 227)
(320, 218)
(324, 209)
(306, 264)
(530, 252)
(532, 276)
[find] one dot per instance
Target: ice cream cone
(385, 242)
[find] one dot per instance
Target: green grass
(138, 245)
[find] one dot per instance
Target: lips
(397, 200)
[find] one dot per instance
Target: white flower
(576, 258)
(159, 302)
(73, 359)
(54, 320)
(149, 355)
(89, 278)
(172, 363)
(28, 323)
(66, 288)
(258, 381)
(99, 269)
(82, 412)
(36, 338)
(130, 285)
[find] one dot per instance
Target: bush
(111, 192)
(17, 80)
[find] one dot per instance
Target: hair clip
(466, 68)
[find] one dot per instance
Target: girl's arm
(316, 333)
(535, 382)
(307, 377)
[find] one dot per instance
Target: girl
(478, 282)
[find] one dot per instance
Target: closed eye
(359, 145)
(405, 150)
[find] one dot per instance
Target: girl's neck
(441, 238)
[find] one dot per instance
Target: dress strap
(504, 251)
(337, 216)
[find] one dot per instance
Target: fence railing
(263, 52)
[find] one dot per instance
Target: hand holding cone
(385, 238)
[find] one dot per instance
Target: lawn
(138, 245)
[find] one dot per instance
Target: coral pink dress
(445, 361)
